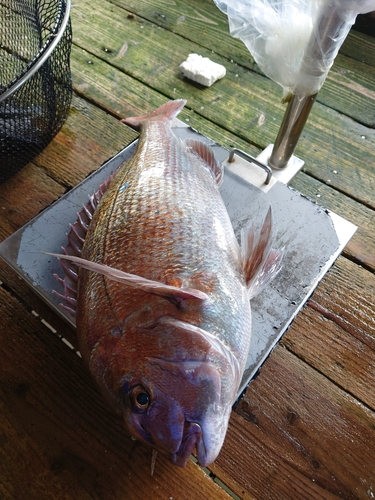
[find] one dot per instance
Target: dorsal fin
(206, 153)
(76, 238)
(260, 261)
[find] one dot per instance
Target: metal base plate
(286, 174)
(312, 236)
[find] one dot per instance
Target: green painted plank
(199, 21)
(349, 88)
(360, 47)
(88, 138)
(244, 103)
(122, 95)
(361, 248)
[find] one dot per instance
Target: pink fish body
(163, 303)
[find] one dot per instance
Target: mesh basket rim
(43, 54)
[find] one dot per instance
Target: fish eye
(140, 398)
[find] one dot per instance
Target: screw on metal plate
(250, 158)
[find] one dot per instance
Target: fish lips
(192, 439)
(206, 438)
(205, 415)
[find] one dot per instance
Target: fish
(161, 291)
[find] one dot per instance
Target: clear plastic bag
(294, 42)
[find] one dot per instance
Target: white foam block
(202, 70)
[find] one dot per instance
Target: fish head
(176, 408)
(180, 395)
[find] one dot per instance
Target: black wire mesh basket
(35, 78)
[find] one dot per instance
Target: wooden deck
(306, 426)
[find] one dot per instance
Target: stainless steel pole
(290, 130)
(328, 25)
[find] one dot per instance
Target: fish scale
(159, 232)
(163, 312)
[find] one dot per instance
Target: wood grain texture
(24, 195)
(200, 21)
(336, 333)
(244, 102)
(361, 247)
(59, 439)
(359, 47)
(306, 425)
(88, 138)
(354, 308)
(299, 436)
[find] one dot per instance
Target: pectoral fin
(260, 261)
(172, 293)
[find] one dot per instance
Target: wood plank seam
(342, 191)
(357, 261)
(342, 323)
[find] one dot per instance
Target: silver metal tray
(312, 236)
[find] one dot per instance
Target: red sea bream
(163, 301)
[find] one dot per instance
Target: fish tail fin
(167, 111)
(260, 261)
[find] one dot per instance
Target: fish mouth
(193, 438)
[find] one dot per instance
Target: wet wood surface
(306, 425)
